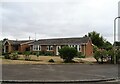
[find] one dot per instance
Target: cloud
(58, 18)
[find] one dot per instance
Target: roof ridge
(63, 38)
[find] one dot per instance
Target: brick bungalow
(16, 45)
(83, 45)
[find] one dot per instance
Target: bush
(97, 55)
(47, 53)
(20, 53)
(6, 56)
(67, 53)
(14, 56)
(102, 55)
(80, 55)
(51, 60)
(27, 55)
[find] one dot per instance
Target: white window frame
(49, 48)
(36, 47)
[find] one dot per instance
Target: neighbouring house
(10, 46)
(83, 45)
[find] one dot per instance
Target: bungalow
(83, 45)
(10, 46)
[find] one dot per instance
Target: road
(59, 72)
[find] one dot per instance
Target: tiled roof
(61, 41)
(17, 42)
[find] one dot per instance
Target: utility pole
(115, 39)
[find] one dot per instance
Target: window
(49, 48)
(36, 47)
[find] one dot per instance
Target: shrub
(80, 55)
(102, 55)
(6, 56)
(27, 55)
(47, 53)
(14, 56)
(51, 60)
(67, 53)
(97, 55)
(20, 53)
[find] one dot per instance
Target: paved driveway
(59, 72)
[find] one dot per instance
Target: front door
(6, 49)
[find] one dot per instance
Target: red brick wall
(22, 48)
(44, 48)
(89, 48)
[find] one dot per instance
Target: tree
(67, 53)
(97, 55)
(107, 45)
(96, 39)
(100, 54)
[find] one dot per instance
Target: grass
(34, 60)
(40, 60)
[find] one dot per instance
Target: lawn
(43, 60)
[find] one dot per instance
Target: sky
(43, 19)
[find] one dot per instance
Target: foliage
(95, 48)
(96, 39)
(51, 60)
(80, 55)
(27, 55)
(6, 56)
(100, 55)
(45, 53)
(14, 56)
(48, 53)
(67, 53)
(107, 45)
(19, 53)
(97, 55)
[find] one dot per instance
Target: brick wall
(89, 49)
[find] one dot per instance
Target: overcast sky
(57, 18)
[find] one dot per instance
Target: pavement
(60, 72)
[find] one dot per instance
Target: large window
(75, 46)
(49, 48)
(36, 47)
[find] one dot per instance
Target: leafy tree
(97, 55)
(67, 53)
(96, 39)
(95, 48)
(100, 54)
(107, 45)
(111, 55)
